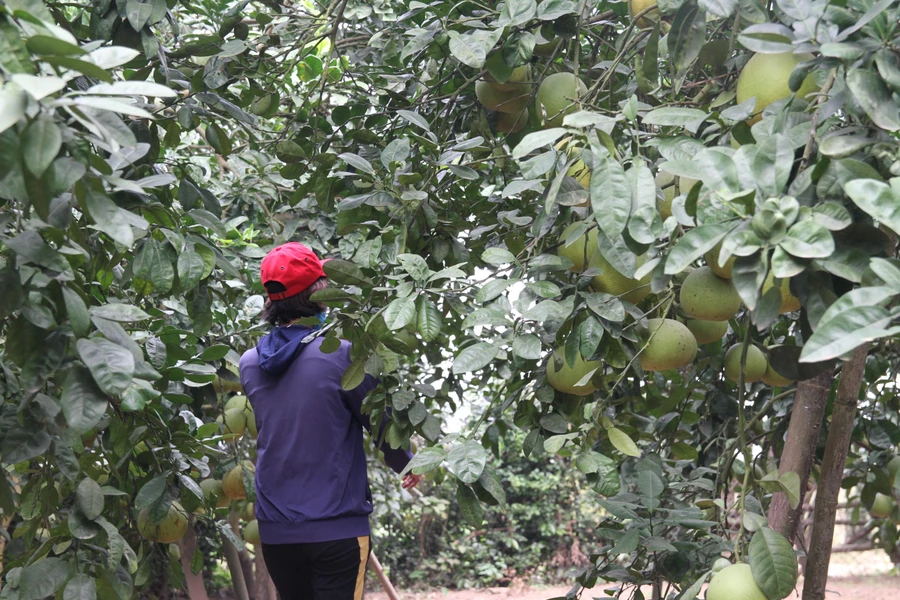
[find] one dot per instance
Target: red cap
(294, 266)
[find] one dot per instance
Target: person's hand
(411, 480)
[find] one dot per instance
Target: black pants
(320, 570)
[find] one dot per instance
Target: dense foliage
(150, 152)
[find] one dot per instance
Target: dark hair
(299, 306)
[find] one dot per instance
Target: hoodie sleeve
(395, 459)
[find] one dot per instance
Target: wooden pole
(376, 567)
(842, 420)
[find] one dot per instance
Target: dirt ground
(857, 576)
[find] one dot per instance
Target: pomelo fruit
(734, 582)
(704, 295)
(544, 46)
(249, 512)
(520, 79)
(170, 529)
(578, 170)
(766, 76)
(508, 102)
(215, 495)
(666, 182)
(706, 332)
(774, 378)
(671, 346)
(511, 122)
(756, 364)
(251, 424)
(613, 282)
(235, 422)
(238, 401)
(649, 19)
(712, 260)
(564, 377)
(882, 506)
(893, 468)
(558, 96)
(251, 532)
(233, 482)
(789, 302)
(580, 250)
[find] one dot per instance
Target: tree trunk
(799, 449)
(244, 558)
(829, 487)
(265, 587)
(194, 582)
(233, 559)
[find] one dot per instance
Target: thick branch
(799, 446)
(836, 449)
(194, 582)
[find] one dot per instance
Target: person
(312, 489)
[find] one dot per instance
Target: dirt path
(882, 587)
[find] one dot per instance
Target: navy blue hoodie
(311, 481)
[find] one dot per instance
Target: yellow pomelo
(580, 250)
(734, 582)
(233, 482)
(578, 170)
(215, 495)
(511, 122)
(251, 532)
(712, 259)
(249, 512)
(789, 302)
(564, 378)
(235, 422)
(170, 529)
(766, 77)
(706, 332)
(671, 346)
(893, 468)
(508, 102)
(704, 295)
(613, 282)
(520, 79)
(756, 364)
(686, 184)
(636, 6)
(882, 506)
(774, 378)
(666, 182)
(558, 96)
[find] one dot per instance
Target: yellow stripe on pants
(363, 559)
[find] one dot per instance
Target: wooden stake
(376, 567)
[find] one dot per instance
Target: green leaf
(397, 151)
(877, 199)
(83, 404)
(846, 331)
(492, 484)
(772, 164)
(150, 493)
(142, 12)
(24, 443)
(355, 374)
(46, 44)
(80, 587)
(687, 35)
(152, 264)
(346, 273)
(190, 269)
(875, 98)
(498, 256)
(466, 460)
(79, 318)
(469, 505)
(357, 162)
(527, 346)
(673, 115)
(722, 9)
(12, 108)
(43, 578)
(31, 246)
(415, 265)
(692, 592)
(41, 143)
(122, 313)
(400, 313)
(517, 12)
(551, 10)
(426, 460)
(428, 319)
(808, 239)
(694, 244)
(109, 218)
(537, 139)
(610, 196)
(89, 498)
(468, 49)
(475, 357)
(111, 365)
(773, 563)
(622, 442)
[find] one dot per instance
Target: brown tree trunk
(244, 558)
(194, 582)
(799, 449)
(836, 449)
(232, 557)
(265, 587)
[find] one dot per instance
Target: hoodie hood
(279, 348)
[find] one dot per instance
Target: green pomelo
(235, 421)
(171, 529)
(774, 378)
(756, 364)
(508, 102)
(238, 401)
(882, 506)
(671, 346)
(712, 259)
(734, 582)
(704, 295)
(511, 122)
(706, 332)
(893, 468)
(565, 378)
(613, 282)
(251, 423)
(251, 532)
(635, 7)
(789, 302)
(719, 564)
(558, 96)
(766, 76)
(580, 250)
(519, 80)
(666, 182)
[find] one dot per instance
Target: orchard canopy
(535, 210)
